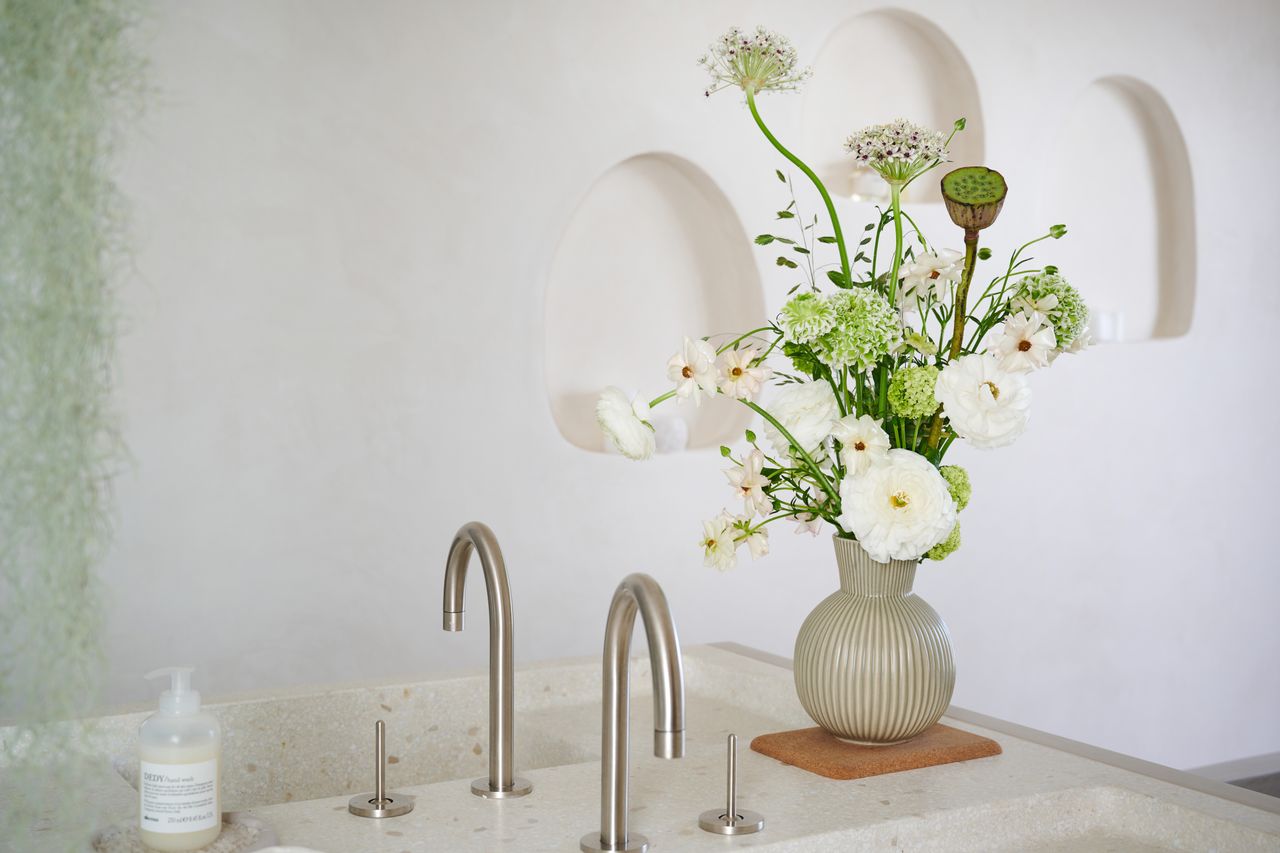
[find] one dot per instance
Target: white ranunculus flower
(806, 410)
(748, 483)
(737, 377)
(898, 508)
(718, 545)
(693, 369)
(930, 272)
(1026, 342)
(987, 407)
(758, 543)
(862, 442)
(625, 423)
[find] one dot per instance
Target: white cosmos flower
(718, 545)
(930, 272)
(625, 422)
(1026, 343)
(987, 407)
(748, 483)
(899, 508)
(862, 442)
(737, 377)
(693, 369)
(806, 410)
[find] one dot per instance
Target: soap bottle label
(179, 797)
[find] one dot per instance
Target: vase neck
(861, 575)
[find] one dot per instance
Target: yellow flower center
(899, 500)
(736, 372)
(860, 446)
(687, 373)
(995, 390)
(1023, 346)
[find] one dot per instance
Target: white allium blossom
(718, 545)
(862, 442)
(899, 150)
(806, 410)
(738, 378)
(899, 508)
(1026, 342)
(748, 483)
(987, 407)
(625, 422)
(693, 369)
(761, 62)
(930, 273)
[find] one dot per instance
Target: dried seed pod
(974, 196)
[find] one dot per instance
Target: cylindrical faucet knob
(731, 820)
(379, 803)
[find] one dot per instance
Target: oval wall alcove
(653, 252)
(1121, 181)
(877, 67)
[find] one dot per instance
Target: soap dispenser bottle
(179, 750)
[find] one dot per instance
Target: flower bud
(1057, 231)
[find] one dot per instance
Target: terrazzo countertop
(1040, 794)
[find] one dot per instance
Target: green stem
(819, 477)
(809, 173)
(960, 319)
(895, 199)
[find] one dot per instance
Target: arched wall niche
(653, 252)
(877, 67)
(1120, 179)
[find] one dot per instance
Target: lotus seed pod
(974, 196)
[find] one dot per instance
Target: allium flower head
(761, 62)
(911, 391)
(958, 479)
(806, 318)
(865, 331)
(1059, 302)
(899, 150)
(947, 546)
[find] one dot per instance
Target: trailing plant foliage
(69, 74)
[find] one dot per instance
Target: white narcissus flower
(987, 407)
(930, 272)
(718, 545)
(738, 378)
(899, 508)
(625, 422)
(1026, 342)
(693, 369)
(806, 410)
(862, 442)
(748, 483)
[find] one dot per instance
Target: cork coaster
(818, 752)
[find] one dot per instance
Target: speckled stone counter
(1034, 796)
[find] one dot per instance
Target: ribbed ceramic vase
(873, 661)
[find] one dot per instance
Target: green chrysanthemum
(947, 546)
(806, 318)
(958, 482)
(911, 392)
(1061, 303)
(866, 330)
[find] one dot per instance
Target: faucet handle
(380, 803)
(731, 820)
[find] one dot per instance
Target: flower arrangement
(877, 376)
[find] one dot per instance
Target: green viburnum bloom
(806, 318)
(866, 330)
(947, 546)
(1061, 303)
(911, 391)
(958, 482)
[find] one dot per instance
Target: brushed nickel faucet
(474, 536)
(636, 592)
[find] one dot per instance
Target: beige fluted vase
(873, 661)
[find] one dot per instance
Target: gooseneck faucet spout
(474, 536)
(637, 592)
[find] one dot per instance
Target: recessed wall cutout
(875, 68)
(653, 252)
(1121, 180)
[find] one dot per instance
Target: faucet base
(636, 843)
(519, 788)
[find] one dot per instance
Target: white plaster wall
(334, 356)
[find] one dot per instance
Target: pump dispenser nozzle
(179, 698)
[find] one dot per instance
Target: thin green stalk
(821, 478)
(961, 317)
(809, 173)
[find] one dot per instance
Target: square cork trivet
(818, 752)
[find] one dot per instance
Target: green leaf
(765, 239)
(786, 214)
(826, 239)
(801, 249)
(838, 279)
(786, 262)
(781, 176)
(803, 359)
(870, 225)
(864, 241)
(785, 240)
